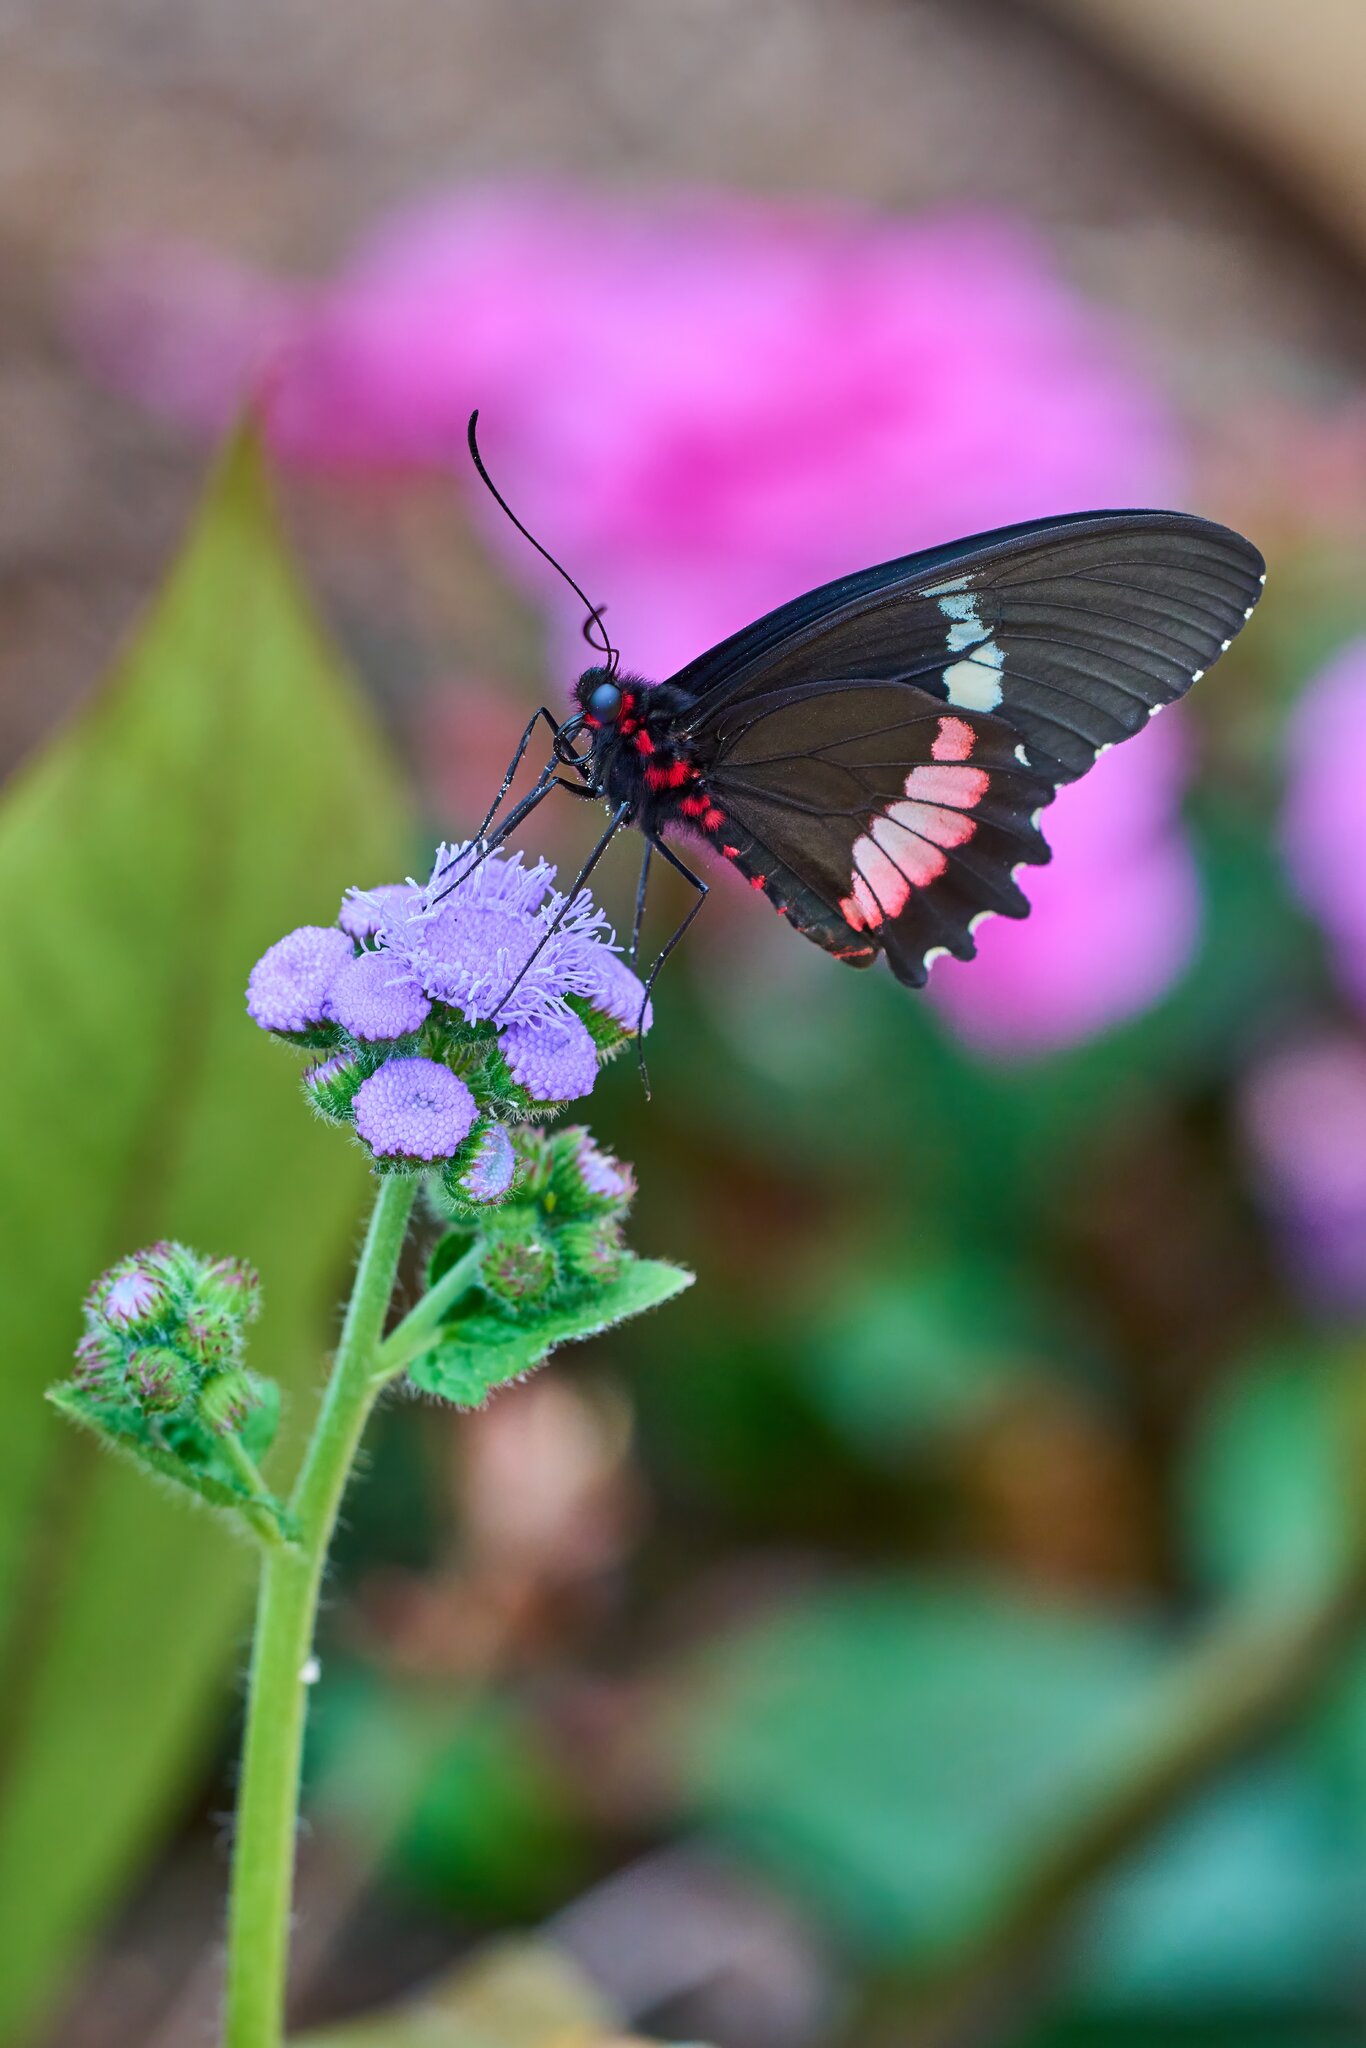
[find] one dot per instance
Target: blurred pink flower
(1303, 1113)
(1323, 827)
(704, 404)
(1115, 915)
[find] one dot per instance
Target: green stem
(420, 1327)
(261, 1512)
(268, 1796)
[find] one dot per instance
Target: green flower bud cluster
(164, 1333)
(560, 1232)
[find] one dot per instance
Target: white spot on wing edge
(979, 919)
(1035, 816)
(1196, 675)
(1022, 757)
(1224, 645)
(935, 953)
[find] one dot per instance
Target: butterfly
(875, 757)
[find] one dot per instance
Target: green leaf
(902, 1754)
(1267, 1486)
(1252, 1899)
(483, 1351)
(905, 1359)
(896, 1751)
(223, 787)
(181, 1452)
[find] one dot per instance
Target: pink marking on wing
(959, 787)
(954, 741)
(932, 821)
(912, 852)
(852, 914)
(880, 887)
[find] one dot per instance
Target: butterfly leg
(614, 824)
(634, 955)
(703, 891)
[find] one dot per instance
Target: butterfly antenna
(602, 644)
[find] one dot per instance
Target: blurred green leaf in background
(224, 786)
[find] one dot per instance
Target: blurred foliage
(222, 786)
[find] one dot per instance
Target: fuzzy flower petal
(493, 937)
(374, 997)
(363, 910)
(554, 1060)
(289, 984)
(488, 1176)
(414, 1109)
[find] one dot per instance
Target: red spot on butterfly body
(644, 744)
(695, 806)
(713, 820)
(731, 852)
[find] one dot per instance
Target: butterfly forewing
(881, 748)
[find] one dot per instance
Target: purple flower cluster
(402, 993)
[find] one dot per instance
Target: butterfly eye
(605, 703)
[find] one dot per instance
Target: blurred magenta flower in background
(1303, 1113)
(1323, 827)
(704, 405)
(1114, 918)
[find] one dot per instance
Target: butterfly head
(601, 697)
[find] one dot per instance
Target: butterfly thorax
(640, 754)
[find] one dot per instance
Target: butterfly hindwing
(881, 748)
(879, 819)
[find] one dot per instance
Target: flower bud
(517, 1267)
(482, 1172)
(591, 1251)
(584, 1180)
(227, 1401)
(133, 1296)
(99, 1361)
(210, 1336)
(158, 1378)
(331, 1085)
(230, 1284)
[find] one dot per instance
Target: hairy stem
(268, 1795)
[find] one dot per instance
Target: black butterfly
(874, 757)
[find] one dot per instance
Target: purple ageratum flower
(1303, 1115)
(1113, 918)
(555, 1060)
(414, 1109)
(496, 939)
(1323, 826)
(363, 909)
(288, 986)
(373, 997)
(489, 1174)
(620, 993)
